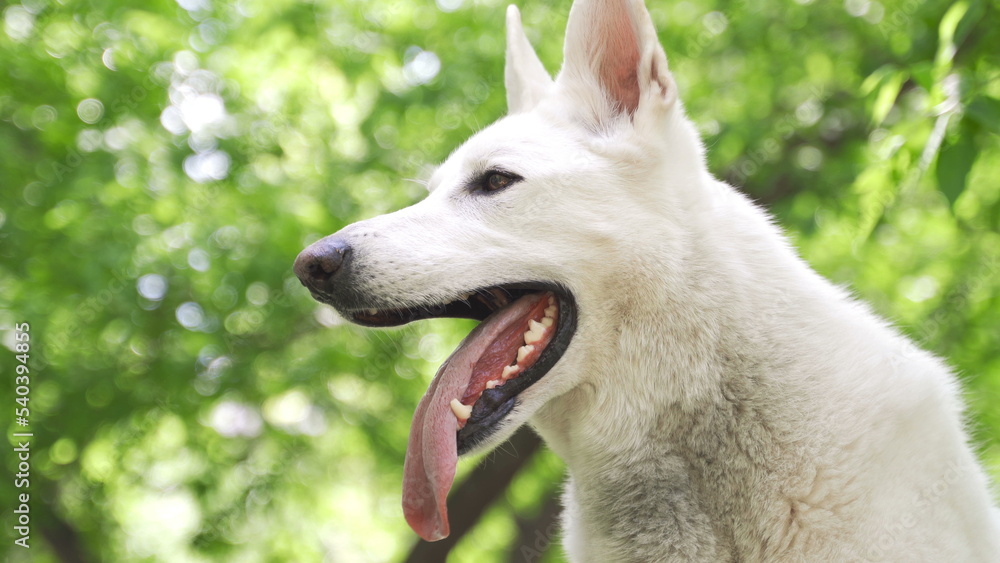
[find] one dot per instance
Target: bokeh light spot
(152, 286)
(90, 110)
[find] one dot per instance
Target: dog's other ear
(613, 61)
(525, 77)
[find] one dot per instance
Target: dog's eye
(496, 181)
(492, 180)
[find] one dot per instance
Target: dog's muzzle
(317, 266)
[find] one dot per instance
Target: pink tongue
(433, 449)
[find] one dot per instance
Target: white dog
(713, 397)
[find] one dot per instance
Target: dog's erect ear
(525, 77)
(613, 59)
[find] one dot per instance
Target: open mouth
(521, 348)
(525, 328)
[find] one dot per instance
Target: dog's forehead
(517, 139)
(518, 132)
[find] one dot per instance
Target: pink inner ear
(619, 56)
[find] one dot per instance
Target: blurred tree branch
(536, 535)
(62, 538)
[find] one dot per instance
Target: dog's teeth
(534, 333)
(547, 322)
(372, 311)
(462, 412)
(552, 300)
(508, 372)
(550, 311)
(493, 383)
(524, 351)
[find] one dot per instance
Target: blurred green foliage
(163, 163)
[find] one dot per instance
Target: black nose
(318, 264)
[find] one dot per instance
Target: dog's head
(523, 228)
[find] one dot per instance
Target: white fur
(720, 401)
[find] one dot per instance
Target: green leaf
(886, 97)
(946, 33)
(954, 162)
(873, 80)
(986, 112)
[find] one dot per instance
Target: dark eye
(496, 181)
